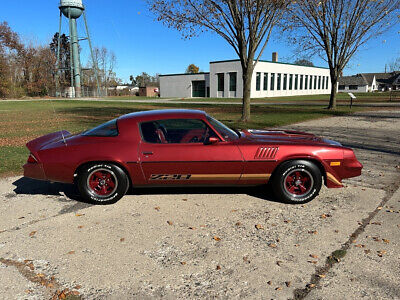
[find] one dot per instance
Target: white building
(270, 79)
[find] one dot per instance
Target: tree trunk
(332, 99)
(247, 76)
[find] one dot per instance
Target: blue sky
(143, 44)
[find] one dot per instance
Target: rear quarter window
(108, 129)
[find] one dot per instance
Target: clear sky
(142, 44)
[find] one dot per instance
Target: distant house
(387, 81)
(369, 82)
(359, 83)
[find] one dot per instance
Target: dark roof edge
(185, 74)
(267, 61)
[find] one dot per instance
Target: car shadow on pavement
(261, 192)
(27, 186)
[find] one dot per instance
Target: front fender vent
(266, 153)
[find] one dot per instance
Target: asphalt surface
(193, 101)
(207, 243)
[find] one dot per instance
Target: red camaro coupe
(188, 148)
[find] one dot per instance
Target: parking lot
(207, 243)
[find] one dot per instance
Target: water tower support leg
(58, 94)
(76, 59)
(71, 55)
(91, 53)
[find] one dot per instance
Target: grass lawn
(21, 122)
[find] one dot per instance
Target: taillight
(32, 159)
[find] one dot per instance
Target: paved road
(178, 101)
(198, 244)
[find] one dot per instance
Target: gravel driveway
(227, 243)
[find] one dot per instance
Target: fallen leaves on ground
(157, 208)
(192, 228)
(386, 241)
(238, 224)
(122, 240)
(216, 238)
(32, 233)
(272, 245)
(313, 232)
(80, 226)
(79, 215)
(288, 283)
(170, 223)
(313, 255)
(218, 267)
(183, 263)
(321, 275)
(71, 252)
(381, 253)
(246, 259)
(259, 227)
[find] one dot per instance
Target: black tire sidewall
(88, 195)
(284, 169)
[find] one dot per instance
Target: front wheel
(297, 181)
(102, 183)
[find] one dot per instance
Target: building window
(315, 82)
(319, 82)
(301, 82)
(232, 81)
(353, 87)
(296, 82)
(221, 79)
(327, 82)
(258, 81)
(279, 79)
(265, 87)
(291, 82)
(285, 82)
(306, 83)
(342, 87)
(272, 81)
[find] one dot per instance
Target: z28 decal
(170, 177)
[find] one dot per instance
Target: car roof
(163, 114)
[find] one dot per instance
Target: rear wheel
(102, 183)
(297, 181)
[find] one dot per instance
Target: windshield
(227, 133)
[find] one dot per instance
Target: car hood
(285, 136)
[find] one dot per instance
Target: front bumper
(34, 171)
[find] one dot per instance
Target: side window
(176, 131)
(108, 129)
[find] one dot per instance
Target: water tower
(73, 10)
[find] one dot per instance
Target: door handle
(148, 153)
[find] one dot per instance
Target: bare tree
(394, 65)
(336, 29)
(245, 24)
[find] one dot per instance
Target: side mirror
(211, 141)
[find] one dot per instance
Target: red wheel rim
(299, 182)
(102, 182)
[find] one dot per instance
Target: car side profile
(188, 148)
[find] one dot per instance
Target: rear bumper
(34, 171)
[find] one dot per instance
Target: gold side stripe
(333, 179)
(215, 176)
(230, 176)
(255, 177)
